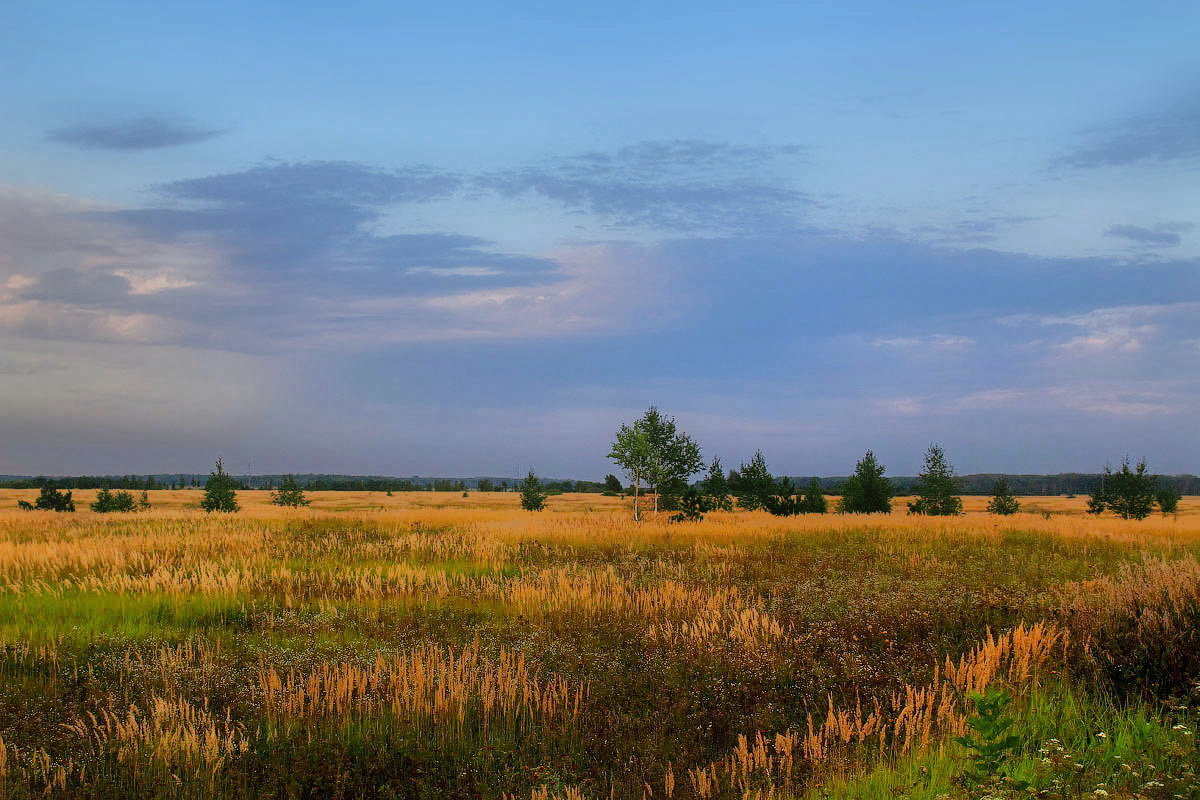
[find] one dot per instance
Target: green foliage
(937, 487)
(219, 491)
(25, 505)
(51, 499)
(533, 498)
(1168, 500)
(715, 488)
(692, 507)
(1129, 492)
(144, 501)
(612, 484)
(787, 500)
(486, 485)
(289, 493)
(867, 491)
(814, 501)
(653, 450)
(673, 458)
(752, 483)
(108, 501)
(1002, 501)
(991, 744)
(631, 451)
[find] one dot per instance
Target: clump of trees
(108, 501)
(49, 499)
(1130, 492)
(715, 488)
(1168, 500)
(533, 497)
(789, 501)
(612, 486)
(654, 451)
(219, 491)
(289, 493)
(867, 491)
(937, 487)
(752, 484)
(1003, 502)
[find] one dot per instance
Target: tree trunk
(637, 485)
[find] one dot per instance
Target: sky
(470, 238)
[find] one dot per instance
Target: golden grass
(688, 590)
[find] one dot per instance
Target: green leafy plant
(990, 744)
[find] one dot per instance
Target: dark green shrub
(219, 491)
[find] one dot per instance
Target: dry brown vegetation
(431, 645)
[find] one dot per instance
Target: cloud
(1115, 330)
(1166, 234)
(1167, 135)
(935, 344)
(678, 185)
(140, 133)
(973, 231)
(1096, 398)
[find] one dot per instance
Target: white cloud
(938, 343)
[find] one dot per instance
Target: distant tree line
(1069, 483)
(659, 458)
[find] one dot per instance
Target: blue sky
(466, 238)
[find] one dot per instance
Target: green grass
(1072, 743)
(78, 618)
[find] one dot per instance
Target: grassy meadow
(430, 645)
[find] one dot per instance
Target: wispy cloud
(682, 185)
(139, 133)
(1165, 234)
(1168, 134)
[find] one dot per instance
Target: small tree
(867, 491)
(783, 502)
(753, 483)
(532, 496)
(813, 501)
(715, 488)
(51, 499)
(219, 491)
(937, 487)
(631, 451)
(108, 501)
(1129, 492)
(612, 485)
(1168, 500)
(1097, 502)
(144, 501)
(289, 493)
(673, 457)
(692, 507)
(1002, 501)
(486, 485)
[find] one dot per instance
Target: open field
(434, 645)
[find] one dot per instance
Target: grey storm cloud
(672, 185)
(302, 230)
(1167, 135)
(1166, 234)
(139, 133)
